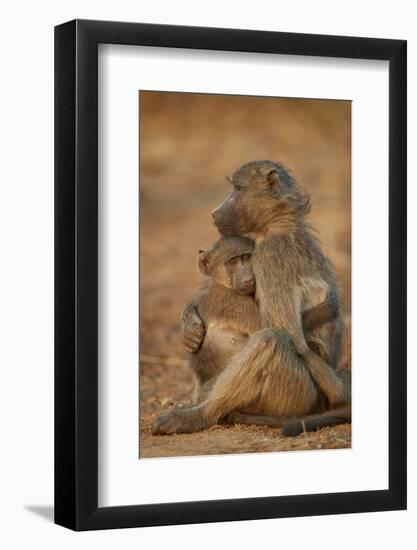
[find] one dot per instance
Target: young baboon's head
(264, 197)
(228, 264)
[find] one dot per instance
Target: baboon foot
(182, 421)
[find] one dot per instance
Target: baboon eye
(232, 261)
(237, 185)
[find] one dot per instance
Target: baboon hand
(193, 330)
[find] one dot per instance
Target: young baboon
(276, 373)
(226, 305)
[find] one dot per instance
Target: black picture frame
(76, 274)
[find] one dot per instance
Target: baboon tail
(317, 421)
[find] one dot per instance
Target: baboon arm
(192, 326)
(287, 307)
(322, 373)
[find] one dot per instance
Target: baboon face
(228, 263)
(263, 193)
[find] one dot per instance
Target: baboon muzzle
(224, 218)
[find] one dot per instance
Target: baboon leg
(295, 425)
(267, 375)
(311, 423)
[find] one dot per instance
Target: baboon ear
(273, 181)
(203, 262)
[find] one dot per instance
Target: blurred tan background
(188, 144)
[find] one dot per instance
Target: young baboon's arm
(192, 325)
(322, 313)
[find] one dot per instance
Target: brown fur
(229, 316)
(281, 371)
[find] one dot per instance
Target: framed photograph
(230, 275)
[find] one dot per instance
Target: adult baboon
(276, 373)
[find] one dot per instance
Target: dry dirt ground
(189, 143)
